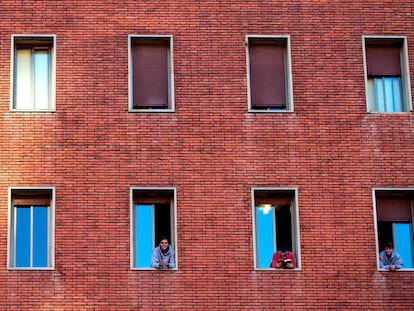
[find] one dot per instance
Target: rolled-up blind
(383, 60)
(273, 200)
(267, 75)
(394, 209)
(150, 73)
(29, 200)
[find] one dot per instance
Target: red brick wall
(212, 150)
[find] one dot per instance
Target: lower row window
(153, 215)
(31, 228)
(275, 223)
(394, 212)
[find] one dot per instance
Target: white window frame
(11, 235)
(288, 74)
(173, 221)
(171, 105)
(52, 82)
(405, 73)
(374, 205)
(295, 225)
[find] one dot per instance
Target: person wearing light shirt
(389, 259)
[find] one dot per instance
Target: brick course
(212, 150)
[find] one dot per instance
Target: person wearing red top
(283, 259)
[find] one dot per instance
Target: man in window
(163, 255)
(389, 259)
(283, 258)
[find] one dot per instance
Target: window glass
(403, 242)
(385, 94)
(31, 242)
(144, 229)
(23, 83)
(41, 79)
(265, 234)
(40, 236)
(23, 237)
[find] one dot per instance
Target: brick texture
(212, 150)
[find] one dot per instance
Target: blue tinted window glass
(265, 235)
(403, 242)
(144, 232)
(40, 236)
(379, 95)
(22, 243)
(397, 99)
(388, 94)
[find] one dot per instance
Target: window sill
(278, 270)
(151, 110)
(33, 111)
(153, 269)
(270, 111)
(31, 269)
(389, 112)
(398, 270)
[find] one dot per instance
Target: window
(394, 217)
(31, 228)
(387, 78)
(152, 217)
(33, 73)
(150, 74)
(275, 223)
(270, 85)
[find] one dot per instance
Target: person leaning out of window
(163, 256)
(389, 259)
(283, 258)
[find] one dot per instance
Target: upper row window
(386, 74)
(33, 71)
(269, 74)
(151, 82)
(150, 73)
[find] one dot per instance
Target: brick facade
(212, 150)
